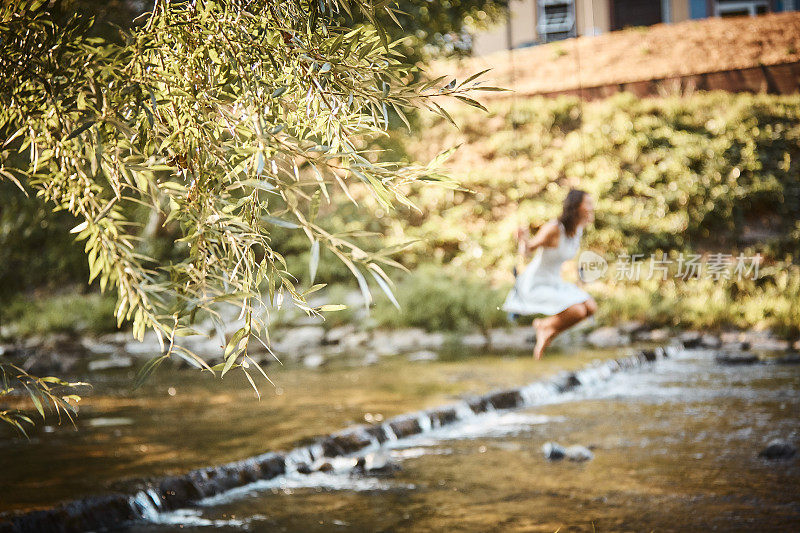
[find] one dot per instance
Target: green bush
(70, 312)
(437, 299)
(769, 302)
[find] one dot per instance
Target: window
(741, 8)
(556, 19)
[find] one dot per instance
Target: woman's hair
(569, 214)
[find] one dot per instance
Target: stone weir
(146, 501)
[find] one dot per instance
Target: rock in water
(553, 451)
(375, 464)
(736, 358)
(778, 449)
(314, 360)
(110, 363)
(579, 453)
(423, 355)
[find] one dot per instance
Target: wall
(680, 10)
(523, 28)
(593, 16)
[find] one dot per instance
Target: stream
(675, 446)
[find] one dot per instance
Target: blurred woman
(540, 288)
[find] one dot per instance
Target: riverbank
(368, 336)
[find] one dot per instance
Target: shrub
(437, 299)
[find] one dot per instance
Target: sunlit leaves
(227, 120)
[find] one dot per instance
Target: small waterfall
(298, 457)
(389, 432)
(463, 411)
(537, 393)
(424, 422)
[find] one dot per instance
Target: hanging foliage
(226, 118)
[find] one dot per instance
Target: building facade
(533, 22)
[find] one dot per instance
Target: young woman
(540, 289)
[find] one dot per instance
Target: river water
(675, 442)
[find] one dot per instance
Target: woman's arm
(547, 236)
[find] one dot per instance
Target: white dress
(540, 289)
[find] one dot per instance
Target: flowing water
(676, 448)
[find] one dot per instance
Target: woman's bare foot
(544, 335)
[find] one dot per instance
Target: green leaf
(282, 223)
(313, 262)
(385, 287)
(328, 308)
(148, 369)
(80, 129)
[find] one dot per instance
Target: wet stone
(478, 405)
(736, 358)
(789, 359)
(325, 467)
(376, 432)
(405, 426)
(649, 355)
(177, 491)
(566, 381)
(271, 465)
(553, 451)
(690, 339)
(345, 443)
(375, 464)
(442, 417)
(778, 449)
(94, 513)
(506, 399)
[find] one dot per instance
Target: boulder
(298, 340)
(607, 337)
(473, 340)
(653, 335)
(353, 340)
(111, 362)
(335, 335)
(631, 327)
(148, 347)
(423, 355)
(98, 348)
(778, 449)
(519, 338)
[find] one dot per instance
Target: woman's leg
(548, 328)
